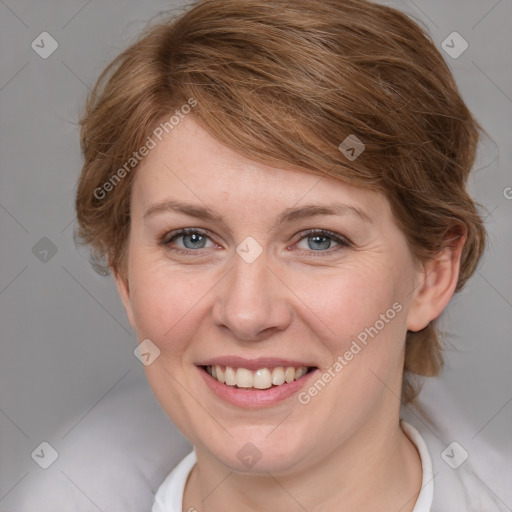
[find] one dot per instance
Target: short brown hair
(284, 83)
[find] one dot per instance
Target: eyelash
(166, 240)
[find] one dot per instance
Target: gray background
(66, 344)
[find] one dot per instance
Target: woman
(279, 189)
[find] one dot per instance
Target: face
(279, 273)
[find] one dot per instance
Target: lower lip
(253, 398)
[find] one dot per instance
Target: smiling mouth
(263, 378)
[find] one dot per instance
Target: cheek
(165, 302)
(347, 300)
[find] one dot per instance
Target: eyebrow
(288, 215)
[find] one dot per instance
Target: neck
(377, 469)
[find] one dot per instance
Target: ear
(436, 282)
(123, 287)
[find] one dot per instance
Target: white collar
(169, 497)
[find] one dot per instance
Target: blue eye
(318, 241)
(192, 239)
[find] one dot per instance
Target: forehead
(191, 165)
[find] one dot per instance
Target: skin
(299, 299)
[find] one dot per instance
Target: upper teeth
(259, 379)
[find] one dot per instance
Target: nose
(252, 302)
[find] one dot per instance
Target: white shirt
(169, 496)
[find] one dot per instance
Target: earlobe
(123, 287)
(436, 283)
